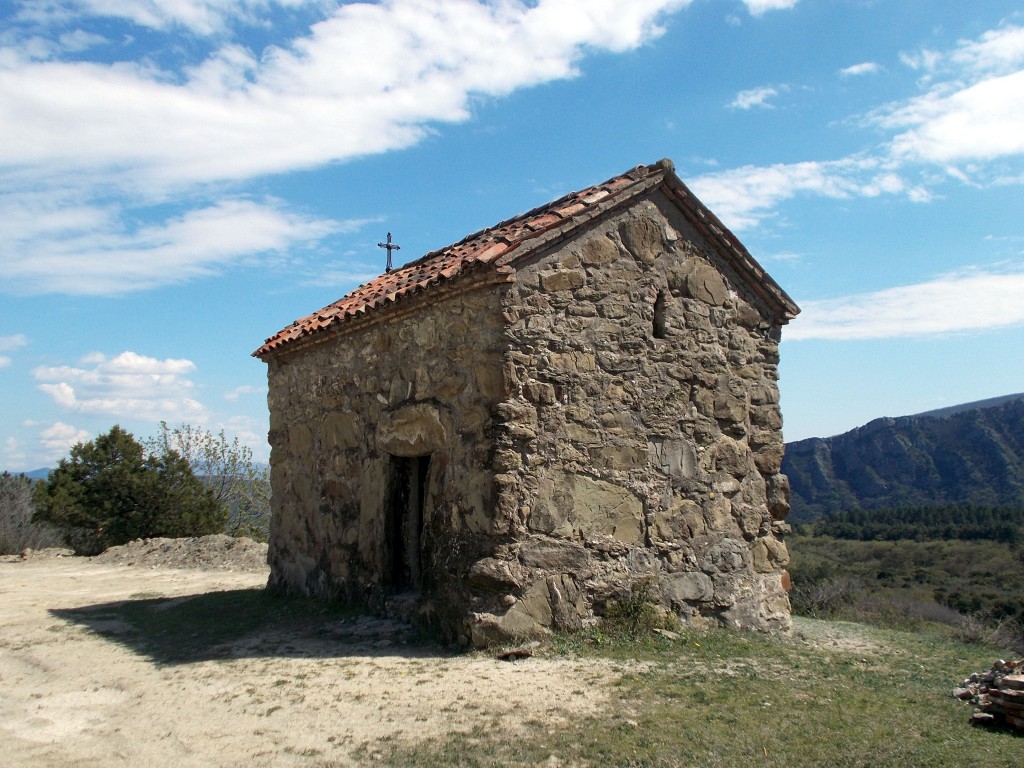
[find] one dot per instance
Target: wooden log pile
(998, 695)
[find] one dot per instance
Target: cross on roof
(390, 248)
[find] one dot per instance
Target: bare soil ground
(87, 681)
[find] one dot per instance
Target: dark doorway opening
(403, 525)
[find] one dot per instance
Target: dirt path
(79, 688)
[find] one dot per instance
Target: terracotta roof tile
(505, 242)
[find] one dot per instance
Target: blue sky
(179, 179)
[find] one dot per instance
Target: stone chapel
(507, 434)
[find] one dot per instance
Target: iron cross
(390, 248)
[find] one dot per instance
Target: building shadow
(248, 623)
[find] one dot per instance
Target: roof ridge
(540, 209)
(494, 247)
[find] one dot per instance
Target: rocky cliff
(972, 453)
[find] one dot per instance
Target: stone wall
(642, 441)
(345, 411)
(609, 418)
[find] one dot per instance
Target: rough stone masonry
(507, 434)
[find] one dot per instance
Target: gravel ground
(220, 552)
(204, 553)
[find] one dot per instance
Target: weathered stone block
(777, 487)
(414, 430)
(642, 237)
(706, 284)
(341, 430)
(598, 251)
(569, 504)
(556, 280)
(682, 589)
(683, 521)
(539, 392)
(492, 575)
(300, 441)
(553, 555)
(619, 457)
(491, 380)
(769, 555)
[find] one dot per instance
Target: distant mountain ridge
(965, 454)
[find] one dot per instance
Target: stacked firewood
(997, 694)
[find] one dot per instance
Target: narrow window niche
(659, 315)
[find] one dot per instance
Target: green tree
(228, 469)
(110, 492)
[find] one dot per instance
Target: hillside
(972, 453)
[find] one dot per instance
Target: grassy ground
(836, 694)
(971, 576)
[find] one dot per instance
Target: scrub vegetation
(182, 482)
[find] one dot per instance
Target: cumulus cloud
(202, 17)
(743, 197)
(83, 134)
(971, 300)
(973, 108)
(367, 79)
(11, 343)
(58, 438)
(982, 121)
(127, 386)
(754, 97)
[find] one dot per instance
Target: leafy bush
(228, 469)
(110, 492)
(636, 613)
(17, 531)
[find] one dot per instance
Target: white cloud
(203, 17)
(369, 78)
(58, 438)
(250, 432)
(997, 51)
(86, 249)
(758, 7)
(973, 108)
(79, 40)
(971, 300)
(81, 136)
(127, 386)
(4, 361)
(971, 116)
(983, 121)
(925, 60)
(11, 343)
(245, 389)
(743, 197)
(864, 68)
(13, 455)
(754, 97)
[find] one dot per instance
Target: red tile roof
(499, 246)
